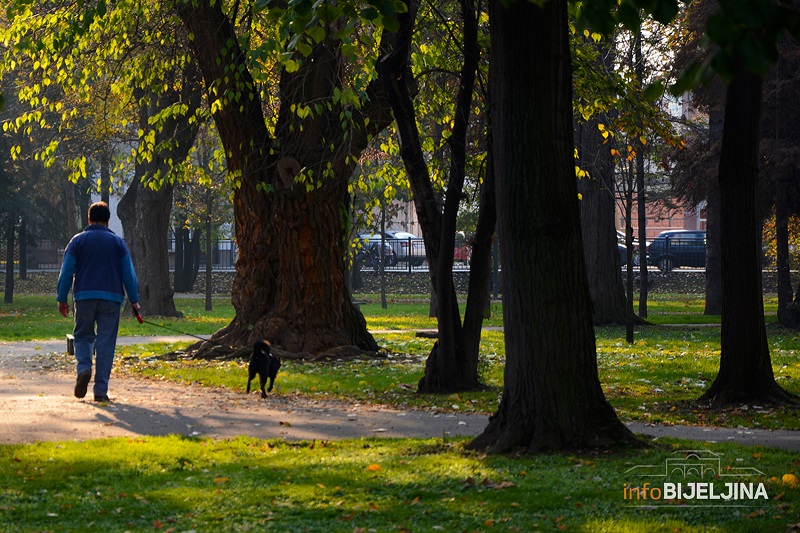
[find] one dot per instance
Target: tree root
(210, 351)
(774, 394)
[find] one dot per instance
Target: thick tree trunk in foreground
(745, 373)
(290, 276)
(552, 397)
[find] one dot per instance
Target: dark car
(677, 248)
(623, 250)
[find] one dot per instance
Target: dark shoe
(102, 399)
(82, 384)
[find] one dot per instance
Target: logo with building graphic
(702, 475)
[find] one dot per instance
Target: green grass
(35, 317)
(655, 380)
(183, 484)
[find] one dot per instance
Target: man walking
(98, 262)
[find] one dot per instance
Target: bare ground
(37, 404)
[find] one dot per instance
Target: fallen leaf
(791, 480)
(374, 468)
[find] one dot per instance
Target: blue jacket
(100, 264)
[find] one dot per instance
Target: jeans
(102, 341)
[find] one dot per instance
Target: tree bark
(745, 372)
(145, 211)
(8, 297)
(291, 192)
(597, 210)
(782, 244)
(23, 249)
(714, 225)
(449, 367)
(552, 397)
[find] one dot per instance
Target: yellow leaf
(791, 480)
(642, 140)
(374, 468)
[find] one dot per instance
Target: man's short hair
(99, 212)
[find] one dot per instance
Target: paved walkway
(37, 404)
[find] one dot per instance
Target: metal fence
(400, 255)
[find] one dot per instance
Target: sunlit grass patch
(244, 484)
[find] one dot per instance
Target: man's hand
(63, 308)
(135, 310)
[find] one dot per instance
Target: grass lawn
(183, 484)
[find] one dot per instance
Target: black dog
(263, 363)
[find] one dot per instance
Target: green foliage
(246, 484)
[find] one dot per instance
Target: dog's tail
(262, 345)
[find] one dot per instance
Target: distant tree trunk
(23, 249)
(145, 213)
(84, 201)
(10, 240)
(290, 276)
(209, 250)
(480, 267)
(145, 217)
(187, 259)
(714, 225)
(552, 398)
(105, 176)
(70, 208)
(782, 245)
(745, 373)
(597, 210)
(641, 197)
(449, 367)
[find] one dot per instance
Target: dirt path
(37, 404)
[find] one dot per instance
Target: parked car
(677, 248)
(407, 247)
(623, 249)
(370, 251)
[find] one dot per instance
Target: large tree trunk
(745, 372)
(552, 397)
(291, 192)
(450, 367)
(145, 215)
(597, 210)
(145, 212)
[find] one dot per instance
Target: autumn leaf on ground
(791, 480)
